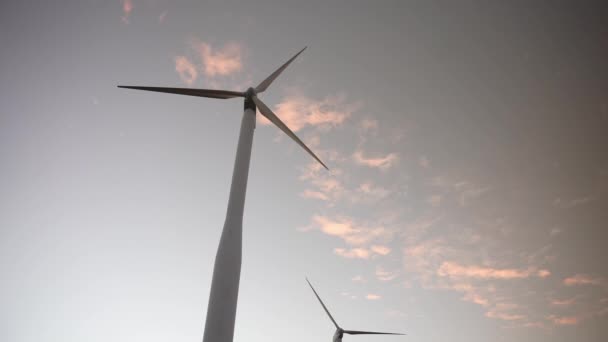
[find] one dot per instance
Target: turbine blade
(265, 83)
(323, 305)
(212, 93)
(275, 120)
(355, 332)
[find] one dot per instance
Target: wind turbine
(339, 331)
(221, 311)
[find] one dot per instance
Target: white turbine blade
(212, 93)
(275, 120)
(265, 83)
(323, 305)
(355, 332)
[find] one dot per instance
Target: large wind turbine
(221, 311)
(339, 331)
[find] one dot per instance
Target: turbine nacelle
(338, 335)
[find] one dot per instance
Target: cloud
(358, 279)
(382, 162)
(127, 8)
(311, 194)
(451, 269)
(223, 61)
(355, 253)
(299, 111)
(382, 250)
(352, 233)
(162, 17)
(384, 275)
(564, 320)
(470, 193)
(504, 316)
(583, 279)
(435, 200)
(186, 70)
(372, 296)
(567, 204)
(424, 162)
(563, 302)
(371, 191)
(543, 273)
(368, 125)
(555, 232)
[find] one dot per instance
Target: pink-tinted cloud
(384, 275)
(223, 61)
(358, 279)
(543, 273)
(328, 185)
(583, 279)
(341, 227)
(368, 125)
(435, 200)
(162, 17)
(299, 111)
(354, 253)
(352, 233)
(564, 320)
(127, 8)
(381, 162)
(452, 269)
(371, 191)
(186, 70)
(476, 298)
(567, 204)
(379, 249)
(372, 296)
(311, 194)
(424, 162)
(504, 316)
(563, 302)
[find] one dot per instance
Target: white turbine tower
(221, 311)
(339, 331)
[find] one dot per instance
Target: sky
(467, 196)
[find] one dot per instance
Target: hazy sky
(467, 141)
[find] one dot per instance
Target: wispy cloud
(584, 279)
(217, 67)
(563, 302)
(186, 70)
(311, 194)
(571, 203)
(452, 269)
(353, 253)
(384, 275)
(564, 320)
(298, 111)
(352, 233)
(162, 17)
(504, 316)
(219, 61)
(382, 162)
(379, 249)
(358, 279)
(373, 296)
(127, 8)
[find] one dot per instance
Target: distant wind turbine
(221, 311)
(339, 331)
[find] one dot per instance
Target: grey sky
(467, 140)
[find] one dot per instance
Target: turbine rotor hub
(250, 92)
